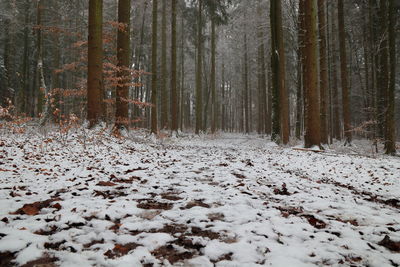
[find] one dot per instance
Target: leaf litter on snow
(228, 201)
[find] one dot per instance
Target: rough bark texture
(310, 67)
(199, 84)
(335, 93)
(123, 52)
(246, 87)
(344, 75)
(383, 69)
(174, 91)
(163, 80)
(280, 100)
(212, 79)
(390, 114)
(154, 128)
(95, 62)
(323, 70)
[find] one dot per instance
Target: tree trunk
(174, 92)
(43, 89)
(343, 71)
(163, 80)
(154, 90)
(390, 114)
(199, 89)
(280, 100)
(95, 62)
(246, 87)
(323, 70)
(182, 91)
(212, 79)
(262, 90)
(335, 92)
(310, 68)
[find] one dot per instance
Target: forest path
(228, 200)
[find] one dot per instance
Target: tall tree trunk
(335, 92)
(343, 71)
(280, 99)
(163, 80)
(300, 73)
(199, 84)
(6, 94)
(95, 62)
(323, 70)
(26, 66)
(174, 92)
(182, 91)
(383, 69)
(223, 98)
(123, 74)
(246, 87)
(390, 114)
(212, 79)
(154, 81)
(262, 90)
(310, 67)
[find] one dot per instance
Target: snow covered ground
(88, 199)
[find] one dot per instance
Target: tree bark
(174, 92)
(323, 70)
(154, 81)
(163, 80)
(280, 100)
(212, 79)
(310, 68)
(95, 62)
(43, 89)
(390, 114)
(344, 75)
(199, 89)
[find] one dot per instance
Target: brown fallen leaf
(57, 206)
(31, 210)
(317, 223)
(390, 244)
(35, 207)
(103, 183)
(120, 250)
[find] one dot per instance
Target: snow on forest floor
(88, 199)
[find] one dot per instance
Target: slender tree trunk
(343, 71)
(154, 81)
(310, 67)
(26, 66)
(95, 62)
(182, 91)
(390, 114)
(43, 89)
(123, 74)
(174, 92)
(6, 94)
(223, 98)
(163, 80)
(199, 76)
(212, 79)
(280, 102)
(323, 70)
(246, 87)
(262, 90)
(284, 97)
(335, 93)
(300, 73)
